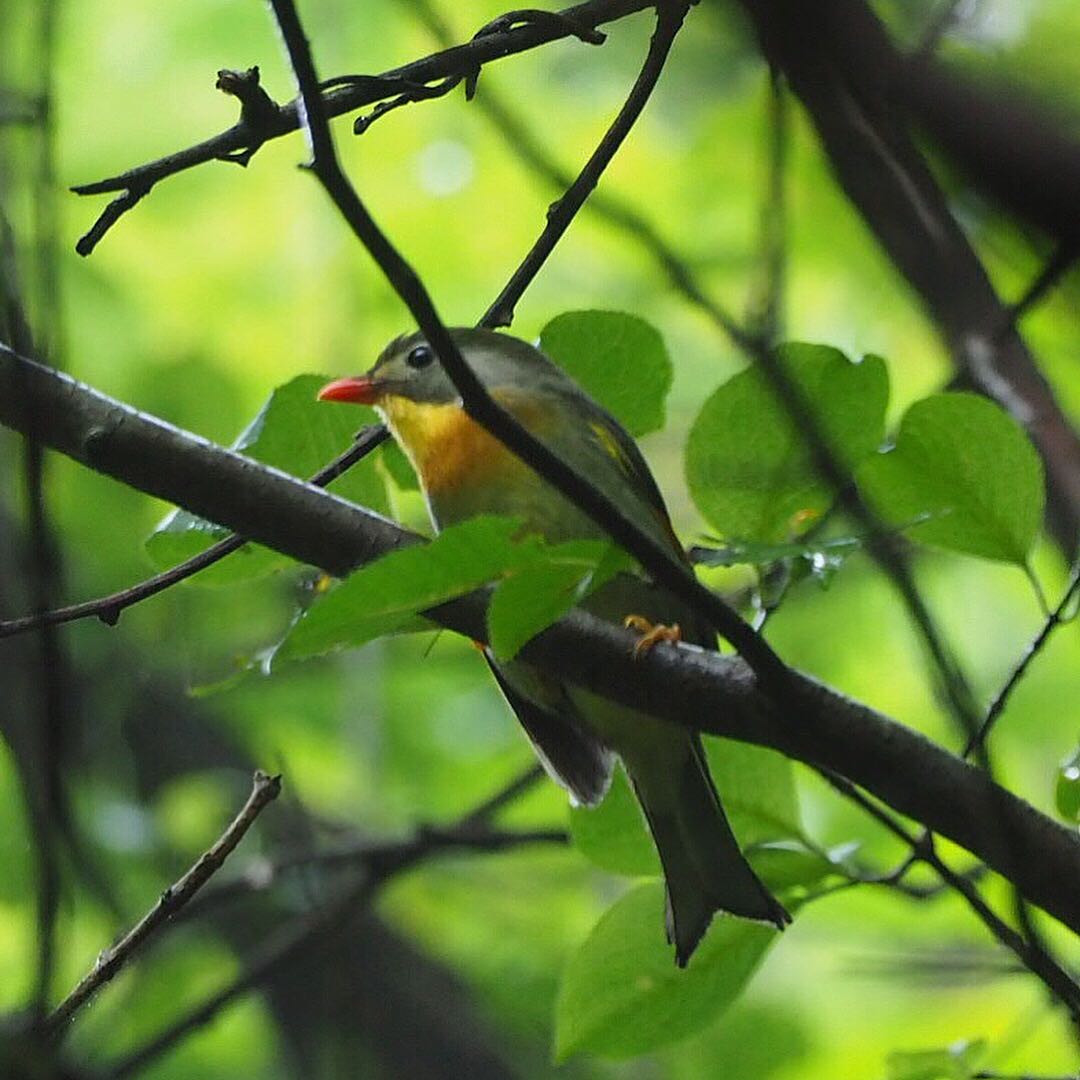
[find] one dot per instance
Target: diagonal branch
(109, 963)
(687, 686)
(656, 559)
(1031, 955)
(522, 141)
(843, 67)
(375, 865)
(109, 608)
(1056, 618)
(561, 213)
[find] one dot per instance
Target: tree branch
(108, 964)
(109, 608)
(462, 61)
(1056, 618)
(687, 686)
(669, 19)
(843, 67)
(1030, 954)
(380, 862)
(523, 143)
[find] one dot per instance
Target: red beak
(360, 390)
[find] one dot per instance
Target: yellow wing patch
(644, 485)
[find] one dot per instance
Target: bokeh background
(226, 282)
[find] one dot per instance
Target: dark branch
(377, 863)
(460, 61)
(560, 214)
(521, 140)
(1057, 266)
(1034, 958)
(109, 608)
(662, 566)
(1055, 619)
(108, 964)
(686, 686)
(846, 72)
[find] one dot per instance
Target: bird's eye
(420, 356)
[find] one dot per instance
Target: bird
(464, 471)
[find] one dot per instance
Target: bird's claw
(651, 633)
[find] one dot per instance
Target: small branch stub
(258, 110)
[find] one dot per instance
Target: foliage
(207, 302)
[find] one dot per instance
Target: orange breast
(447, 448)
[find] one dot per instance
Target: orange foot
(651, 633)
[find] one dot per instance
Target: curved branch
(562, 212)
(687, 686)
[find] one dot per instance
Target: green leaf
(748, 468)
(618, 359)
(614, 835)
(622, 995)
(957, 1062)
(382, 596)
(757, 789)
(790, 864)
(542, 592)
(293, 432)
(1067, 790)
(965, 463)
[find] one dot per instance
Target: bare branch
(237, 143)
(263, 792)
(845, 70)
(522, 141)
(1033, 957)
(1055, 619)
(378, 863)
(669, 19)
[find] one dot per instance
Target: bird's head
(408, 368)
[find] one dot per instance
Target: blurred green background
(227, 282)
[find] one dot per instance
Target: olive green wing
(612, 454)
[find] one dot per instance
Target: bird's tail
(705, 870)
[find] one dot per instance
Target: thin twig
(108, 964)
(1036, 960)
(236, 143)
(380, 863)
(478, 403)
(1059, 264)
(983, 1074)
(1055, 619)
(473, 837)
(522, 141)
(108, 608)
(669, 19)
